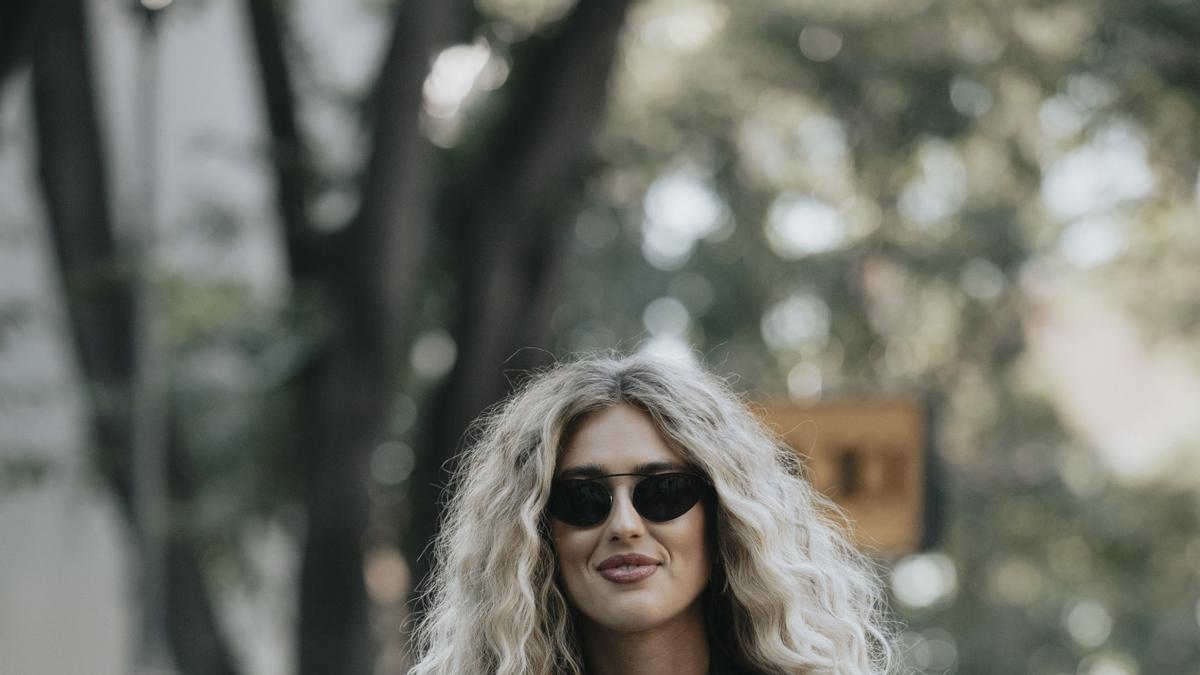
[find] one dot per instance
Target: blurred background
(261, 262)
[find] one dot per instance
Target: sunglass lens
(666, 497)
(581, 503)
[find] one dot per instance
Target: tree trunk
(197, 644)
(371, 280)
(343, 399)
(16, 33)
(99, 298)
(289, 154)
(511, 242)
(71, 169)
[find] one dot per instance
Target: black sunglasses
(658, 497)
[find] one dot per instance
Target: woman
(630, 515)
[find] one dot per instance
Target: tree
(830, 199)
(873, 217)
(99, 293)
(365, 278)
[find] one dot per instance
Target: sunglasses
(658, 497)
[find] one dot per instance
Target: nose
(624, 522)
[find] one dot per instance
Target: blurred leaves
(13, 314)
(922, 132)
(23, 471)
(829, 199)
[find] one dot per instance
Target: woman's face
(623, 439)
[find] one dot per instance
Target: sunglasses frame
(707, 493)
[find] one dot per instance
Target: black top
(721, 663)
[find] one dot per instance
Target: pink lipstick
(627, 568)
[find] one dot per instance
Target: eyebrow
(594, 470)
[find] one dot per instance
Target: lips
(627, 568)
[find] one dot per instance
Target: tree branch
(512, 239)
(386, 242)
(373, 282)
(293, 172)
(71, 169)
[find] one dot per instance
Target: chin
(629, 621)
(633, 614)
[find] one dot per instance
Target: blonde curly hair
(791, 594)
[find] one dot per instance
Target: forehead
(617, 439)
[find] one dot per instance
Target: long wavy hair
(790, 592)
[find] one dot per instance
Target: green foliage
(922, 126)
(13, 314)
(23, 471)
(829, 199)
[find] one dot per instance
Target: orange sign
(870, 458)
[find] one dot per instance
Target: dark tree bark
(98, 294)
(196, 643)
(512, 238)
(16, 32)
(369, 281)
(373, 282)
(289, 154)
(198, 646)
(71, 169)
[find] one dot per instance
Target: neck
(678, 647)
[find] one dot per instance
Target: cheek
(689, 540)
(572, 547)
(572, 550)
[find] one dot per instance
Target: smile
(627, 574)
(627, 568)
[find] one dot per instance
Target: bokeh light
(925, 580)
